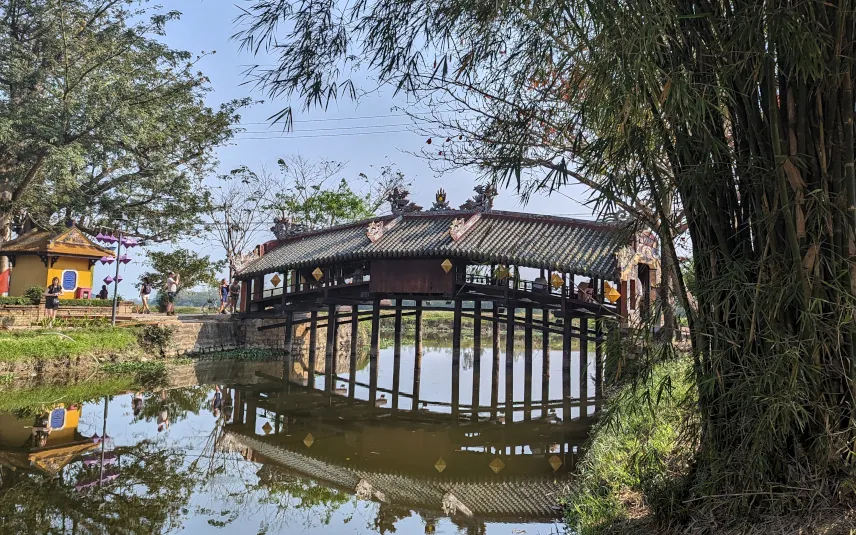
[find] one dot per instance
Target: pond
(246, 452)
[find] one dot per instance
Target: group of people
(229, 294)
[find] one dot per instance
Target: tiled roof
(70, 242)
(571, 245)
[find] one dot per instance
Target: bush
(156, 339)
(34, 294)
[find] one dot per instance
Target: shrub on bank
(638, 453)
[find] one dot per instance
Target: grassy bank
(637, 455)
(45, 345)
(44, 397)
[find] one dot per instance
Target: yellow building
(39, 255)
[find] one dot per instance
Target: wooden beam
(494, 377)
(509, 365)
(456, 359)
(374, 352)
(417, 361)
(352, 365)
(476, 355)
(330, 354)
(396, 358)
(527, 373)
(313, 343)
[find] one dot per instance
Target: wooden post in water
(456, 360)
(352, 365)
(287, 359)
(509, 364)
(477, 311)
(583, 366)
(527, 373)
(373, 355)
(566, 368)
(494, 376)
(313, 342)
(545, 361)
(330, 354)
(417, 360)
(396, 362)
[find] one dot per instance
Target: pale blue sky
(207, 25)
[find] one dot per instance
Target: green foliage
(156, 338)
(36, 400)
(28, 300)
(34, 294)
(142, 137)
(44, 345)
(249, 354)
(193, 269)
(639, 447)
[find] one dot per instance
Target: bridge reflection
(476, 470)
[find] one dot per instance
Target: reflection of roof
(70, 242)
(573, 245)
(492, 498)
(48, 460)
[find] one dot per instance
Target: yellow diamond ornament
(497, 465)
(275, 280)
(555, 462)
(440, 465)
(556, 281)
(318, 274)
(611, 293)
(267, 428)
(309, 440)
(446, 265)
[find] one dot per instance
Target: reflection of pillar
(545, 364)
(352, 368)
(456, 360)
(287, 362)
(251, 413)
(527, 370)
(566, 367)
(477, 310)
(313, 342)
(494, 376)
(417, 360)
(509, 364)
(330, 354)
(583, 366)
(239, 407)
(396, 357)
(373, 354)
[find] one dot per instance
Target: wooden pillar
(527, 374)
(494, 376)
(258, 287)
(456, 360)
(313, 343)
(287, 357)
(622, 301)
(245, 296)
(396, 362)
(417, 360)
(598, 350)
(545, 361)
(583, 366)
(330, 354)
(352, 365)
(509, 364)
(566, 368)
(374, 352)
(477, 311)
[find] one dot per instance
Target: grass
(246, 354)
(46, 345)
(40, 398)
(637, 454)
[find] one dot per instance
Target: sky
(364, 135)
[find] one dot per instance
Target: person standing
(104, 293)
(234, 292)
(52, 294)
(145, 291)
(224, 296)
(172, 282)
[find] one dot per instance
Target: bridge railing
(519, 285)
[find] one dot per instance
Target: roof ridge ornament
(482, 201)
(440, 201)
(284, 228)
(376, 229)
(460, 226)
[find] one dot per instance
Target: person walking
(172, 282)
(234, 293)
(104, 293)
(224, 296)
(52, 294)
(145, 291)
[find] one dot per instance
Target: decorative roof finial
(283, 228)
(482, 201)
(440, 202)
(399, 202)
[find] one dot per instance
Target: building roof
(70, 242)
(570, 245)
